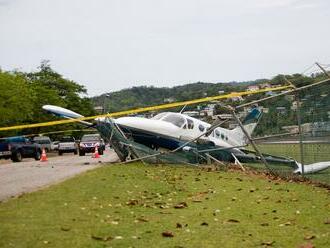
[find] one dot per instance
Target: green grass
(130, 206)
(312, 153)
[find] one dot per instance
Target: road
(31, 175)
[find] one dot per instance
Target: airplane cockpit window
(159, 116)
(190, 124)
(175, 119)
(201, 127)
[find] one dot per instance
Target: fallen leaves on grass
(288, 223)
(252, 190)
(181, 205)
(268, 243)
(178, 225)
(232, 221)
(167, 234)
(65, 228)
(132, 202)
(204, 224)
(309, 237)
(142, 219)
(100, 238)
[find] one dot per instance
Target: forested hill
(22, 95)
(149, 95)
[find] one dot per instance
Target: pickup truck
(17, 148)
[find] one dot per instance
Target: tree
(16, 99)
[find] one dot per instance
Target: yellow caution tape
(146, 109)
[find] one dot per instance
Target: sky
(108, 45)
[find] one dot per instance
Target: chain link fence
(292, 139)
(304, 118)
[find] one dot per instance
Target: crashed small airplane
(175, 132)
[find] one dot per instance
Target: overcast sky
(108, 45)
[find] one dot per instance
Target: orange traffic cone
(43, 156)
(96, 153)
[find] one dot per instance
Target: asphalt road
(31, 175)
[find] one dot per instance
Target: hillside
(149, 95)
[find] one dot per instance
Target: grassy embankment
(136, 205)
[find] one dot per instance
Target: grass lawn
(140, 206)
(312, 153)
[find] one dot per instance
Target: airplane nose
(149, 125)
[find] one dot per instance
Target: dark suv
(89, 142)
(18, 148)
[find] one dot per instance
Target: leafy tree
(16, 99)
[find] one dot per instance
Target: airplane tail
(250, 122)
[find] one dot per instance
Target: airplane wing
(65, 113)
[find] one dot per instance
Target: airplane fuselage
(170, 130)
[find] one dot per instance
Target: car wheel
(37, 156)
(17, 156)
(60, 153)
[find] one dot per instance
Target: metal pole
(300, 135)
(251, 141)
(301, 144)
(325, 72)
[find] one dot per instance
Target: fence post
(301, 142)
(251, 141)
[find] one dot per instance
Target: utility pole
(106, 95)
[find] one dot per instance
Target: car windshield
(177, 120)
(90, 138)
(67, 139)
(42, 141)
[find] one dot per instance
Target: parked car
(17, 148)
(44, 142)
(55, 145)
(67, 144)
(89, 142)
